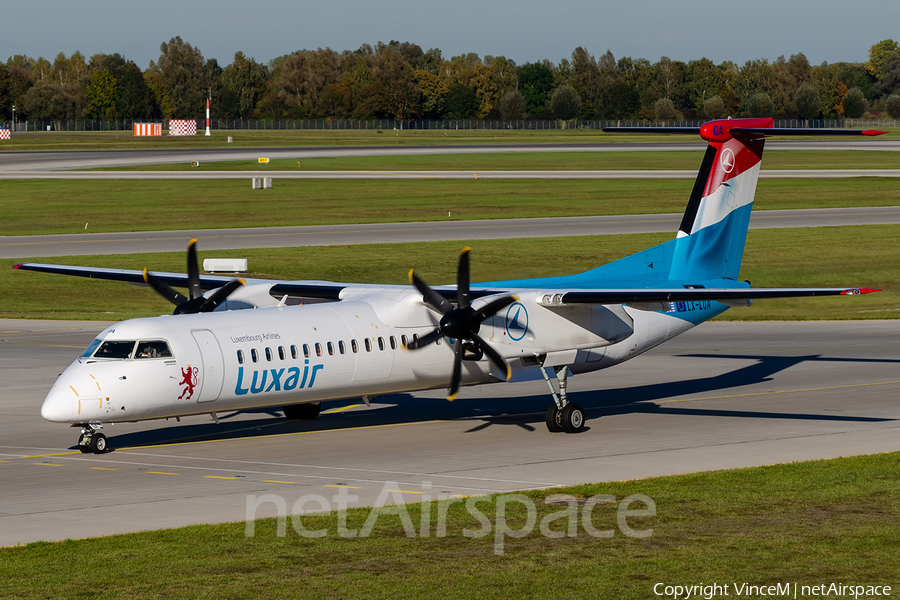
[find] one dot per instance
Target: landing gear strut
(562, 415)
(91, 440)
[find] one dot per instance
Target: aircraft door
(212, 371)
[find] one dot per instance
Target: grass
(828, 257)
(809, 523)
(544, 161)
(110, 140)
(49, 206)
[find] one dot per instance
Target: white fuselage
(245, 359)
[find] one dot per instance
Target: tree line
(399, 80)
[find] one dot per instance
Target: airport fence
(405, 125)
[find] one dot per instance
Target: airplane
(305, 342)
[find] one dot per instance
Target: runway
(724, 395)
(37, 246)
(11, 162)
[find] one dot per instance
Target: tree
(889, 81)
(620, 101)
(102, 96)
(434, 92)
(512, 106)
(586, 80)
(759, 105)
(565, 103)
(243, 84)
(714, 108)
(703, 81)
(49, 100)
(878, 53)
(854, 104)
(461, 102)
(809, 104)
(535, 84)
(893, 106)
(182, 74)
(664, 110)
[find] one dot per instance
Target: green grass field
(47, 206)
(806, 523)
(545, 161)
(108, 140)
(832, 256)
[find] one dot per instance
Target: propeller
(197, 303)
(460, 323)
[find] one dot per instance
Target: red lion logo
(190, 377)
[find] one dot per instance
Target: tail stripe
(687, 222)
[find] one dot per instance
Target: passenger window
(404, 341)
(253, 355)
(305, 350)
(118, 349)
(341, 348)
(354, 346)
(153, 349)
(330, 349)
(240, 357)
(368, 345)
(268, 354)
(415, 337)
(293, 351)
(280, 352)
(393, 343)
(381, 343)
(318, 349)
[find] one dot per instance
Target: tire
(306, 412)
(84, 449)
(98, 443)
(554, 419)
(572, 418)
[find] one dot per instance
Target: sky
(524, 31)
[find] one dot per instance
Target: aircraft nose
(58, 406)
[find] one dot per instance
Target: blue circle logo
(516, 321)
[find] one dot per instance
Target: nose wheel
(91, 440)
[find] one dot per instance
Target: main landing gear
(91, 440)
(562, 414)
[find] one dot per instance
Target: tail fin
(710, 242)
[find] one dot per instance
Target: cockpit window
(115, 349)
(153, 349)
(91, 347)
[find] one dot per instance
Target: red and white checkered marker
(182, 127)
(4, 134)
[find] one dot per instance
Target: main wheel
(98, 443)
(82, 446)
(554, 419)
(572, 418)
(307, 412)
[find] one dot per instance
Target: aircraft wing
(209, 282)
(726, 295)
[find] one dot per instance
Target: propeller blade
(220, 295)
(457, 371)
(428, 338)
(163, 289)
(196, 290)
(431, 298)
(462, 279)
(494, 356)
(493, 307)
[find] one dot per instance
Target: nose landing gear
(91, 440)
(562, 415)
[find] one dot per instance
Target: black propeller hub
(460, 324)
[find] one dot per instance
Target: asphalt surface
(724, 395)
(11, 162)
(37, 246)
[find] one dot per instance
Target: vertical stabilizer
(713, 231)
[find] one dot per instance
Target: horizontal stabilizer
(686, 295)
